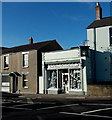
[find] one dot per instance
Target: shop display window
(52, 79)
(75, 79)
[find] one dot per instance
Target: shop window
(52, 79)
(75, 80)
(6, 61)
(25, 81)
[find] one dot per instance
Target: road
(22, 108)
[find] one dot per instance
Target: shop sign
(63, 66)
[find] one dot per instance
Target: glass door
(65, 82)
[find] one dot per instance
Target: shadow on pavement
(9, 95)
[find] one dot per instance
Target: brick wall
(100, 90)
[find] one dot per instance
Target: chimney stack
(98, 11)
(30, 40)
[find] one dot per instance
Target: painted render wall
(99, 40)
(62, 55)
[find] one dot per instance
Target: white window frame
(6, 61)
(25, 65)
(24, 80)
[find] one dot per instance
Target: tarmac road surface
(46, 108)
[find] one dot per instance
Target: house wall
(15, 65)
(99, 40)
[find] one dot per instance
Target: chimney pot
(30, 40)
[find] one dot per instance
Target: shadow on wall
(101, 65)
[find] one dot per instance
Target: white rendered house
(99, 36)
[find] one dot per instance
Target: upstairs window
(110, 31)
(6, 62)
(25, 59)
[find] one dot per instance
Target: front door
(65, 82)
(15, 84)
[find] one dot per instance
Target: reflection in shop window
(52, 79)
(75, 80)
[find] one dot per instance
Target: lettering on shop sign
(63, 66)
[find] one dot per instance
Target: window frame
(5, 62)
(24, 80)
(23, 59)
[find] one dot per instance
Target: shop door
(65, 82)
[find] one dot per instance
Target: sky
(65, 22)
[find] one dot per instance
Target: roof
(84, 47)
(107, 21)
(36, 46)
(3, 48)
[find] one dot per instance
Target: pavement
(67, 96)
(5, 95)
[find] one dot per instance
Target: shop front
(63, 78)
(65, 71)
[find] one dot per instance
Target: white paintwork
(41, 87)
(64, 58)
(90, 38)
(5, 89)
(61, 55)
(5, 83)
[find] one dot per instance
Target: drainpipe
(94, 55)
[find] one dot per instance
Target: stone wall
(99, 90)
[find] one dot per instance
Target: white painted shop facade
(65, 71)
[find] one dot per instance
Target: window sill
(6, 68)
(25, 67)
(25, 87)
(26, 80)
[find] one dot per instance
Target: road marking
(17, 108)
(21, 105)
(97, 116)
(27, 104)
(88, 115)
(96, 110)
(96, 104)
(45, 103)
(46, 108)
(70, 113)
(29, 101)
